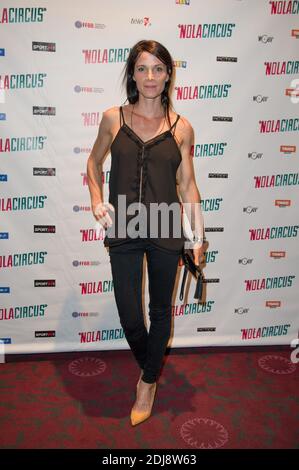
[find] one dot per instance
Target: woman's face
(150, 75)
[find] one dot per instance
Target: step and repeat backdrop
(237, 82)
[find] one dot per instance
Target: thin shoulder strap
(174, 124)
(121, 116)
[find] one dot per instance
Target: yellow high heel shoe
(138, 417)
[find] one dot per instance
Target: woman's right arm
(95, 163)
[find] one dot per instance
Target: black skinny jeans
(127, 268)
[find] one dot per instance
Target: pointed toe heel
(138, 417)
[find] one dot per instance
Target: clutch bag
(190, 266)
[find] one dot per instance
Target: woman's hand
(100, 212)
(198, 253)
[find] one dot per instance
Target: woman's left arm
(188, 189)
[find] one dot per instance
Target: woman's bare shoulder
(184, 129)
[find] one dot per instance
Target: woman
(150, 154)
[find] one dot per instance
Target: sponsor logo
(82, 150)
(245, 261)
(260, 99)
(142, 21)
(277, 254)
(4, 290)
(85, 314)
(250, 210)
(44, 283)
(45, 334)
(44, 228)
(2, 52)
(44, 46)
(77, 263)
(44, 110)
(5, 340)
(89, 24)
(180, 64)
(226, 59)
(273, 303)
(206, 329)
(288, 149)
(44, 171)
(2, 117)
(283, 202)
(87, 89)
(81, 208)
(265, 39)
(217, 175)
(4, 235)
(182, 2)
(241, 310)
(222, 118)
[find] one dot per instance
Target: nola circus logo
(264, 331)
(286, 67)
(22, 203)
(265, 283)
(272, 181)
(206, 30)
(145, 21)
(270, 233)
(26, 311)
(16, 260)
(199, 92)
(284, 7)
(105, 56)
(22, 144)
(279, 125)
(22, 15)
(23, 80)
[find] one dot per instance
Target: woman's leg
(162, 269)
(127, 268)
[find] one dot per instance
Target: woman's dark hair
(159, 51)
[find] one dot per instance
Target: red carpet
(212, 398)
